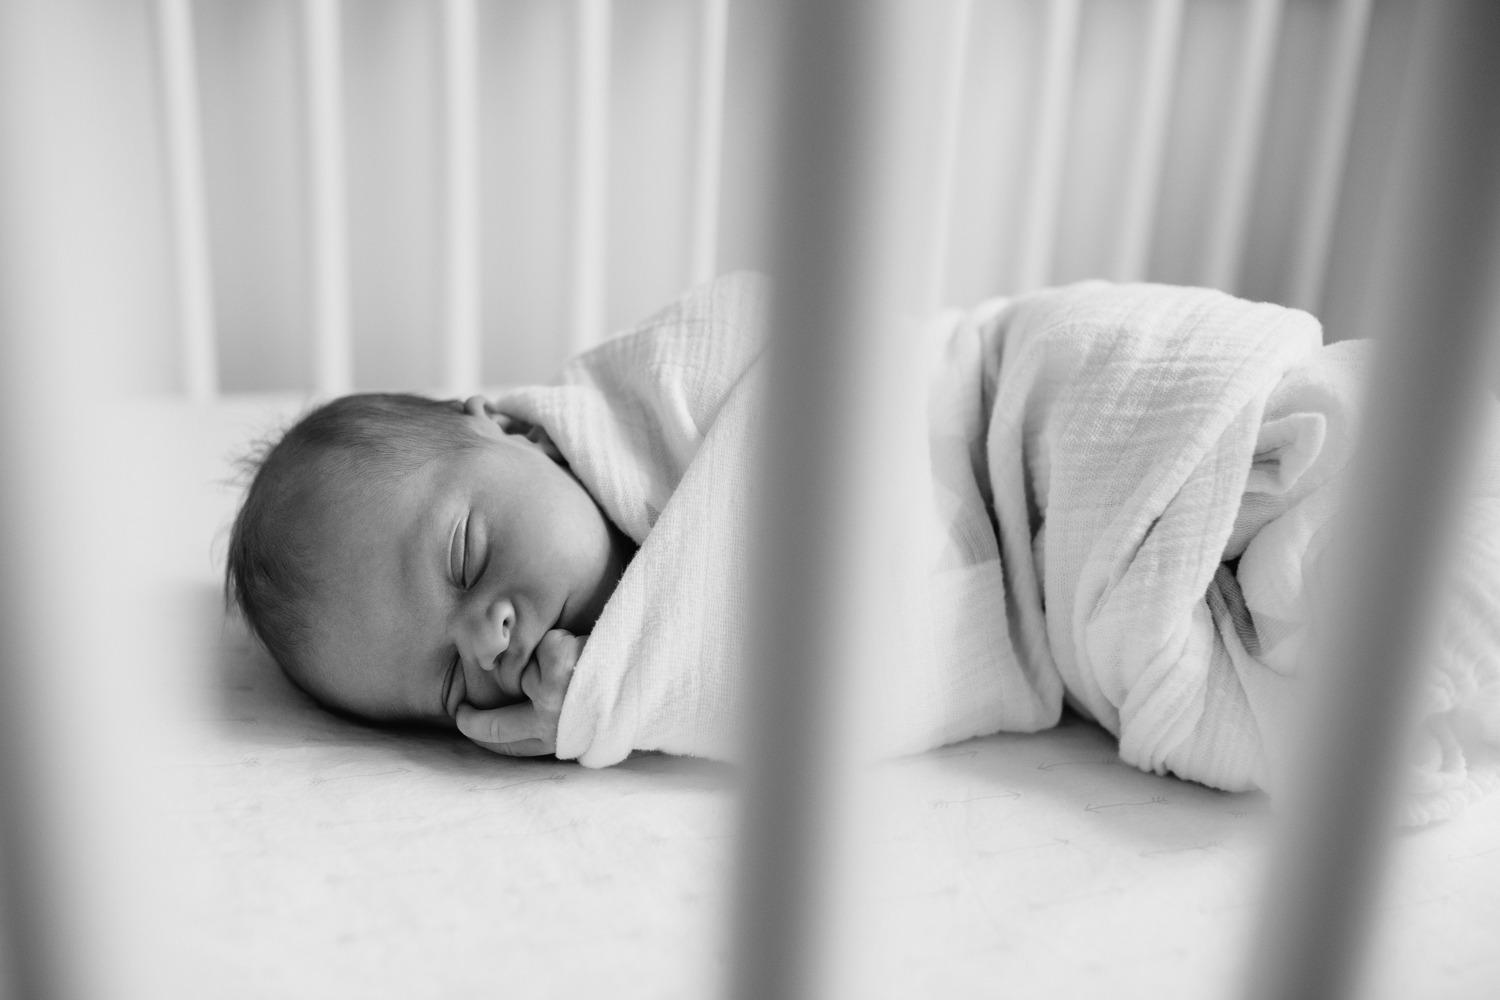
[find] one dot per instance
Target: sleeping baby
(1115, 499)
(410, 560)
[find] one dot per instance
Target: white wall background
(250, 73)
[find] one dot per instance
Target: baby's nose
(500, 619)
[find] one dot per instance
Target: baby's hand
(529, 729)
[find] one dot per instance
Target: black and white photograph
(749, 499)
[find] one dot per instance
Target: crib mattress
(320, 858)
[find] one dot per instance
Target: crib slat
(591, 181)
(1435, 315)
(462, 358)
(945, 174)
(189, 206)
(1231, 212)
(1153, 116)
(333, 358)
(1044, 179)
(1327, 169)
(830, 356)
(713, 42)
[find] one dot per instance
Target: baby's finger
(498, 727)
(546, 686)
(546, 681)
(523, 748)
(556, 654)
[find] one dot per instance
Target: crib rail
(1231, 210)
(1133, 244)
(1310, 266)
(1044, 179)
(713, 51)
(1040, 193)
(461, 258)
(945, 170)
(591, 190)
(796, 766)
(333, 354)
(189, 207)
(1437, 318)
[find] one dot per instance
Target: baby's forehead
(356, 490)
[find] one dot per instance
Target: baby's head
(399, 556)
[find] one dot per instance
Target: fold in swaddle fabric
(1173, 457)
(1116, 495)
(659, 424)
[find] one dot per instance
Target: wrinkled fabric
(659, 424)
(1116, 496)
(1166, 465)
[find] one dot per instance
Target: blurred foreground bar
(829, 350)
(1435, 315)
(79, 705)
(43, 83)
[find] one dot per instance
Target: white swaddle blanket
(657, 423)
(1093, 455)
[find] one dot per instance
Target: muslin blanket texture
(1119, 500)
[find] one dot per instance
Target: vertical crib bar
(1153, 116)
(826, 360)
(40, 175)
(1435, 313)
(1044, 179)
(591, 182)
(333, 356)
(189, 207)
(945, 175)
(81, 891)
(461, 292)
(1231, 210)
(1326, 172)
(713, 41)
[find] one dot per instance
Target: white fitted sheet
(316, 857)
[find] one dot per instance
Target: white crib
(188, 824)
(404, 192)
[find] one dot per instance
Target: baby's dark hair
(361, 445)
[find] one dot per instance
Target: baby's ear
(478, 406)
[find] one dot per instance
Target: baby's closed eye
(458, 552)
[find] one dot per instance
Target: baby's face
(440, 595)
